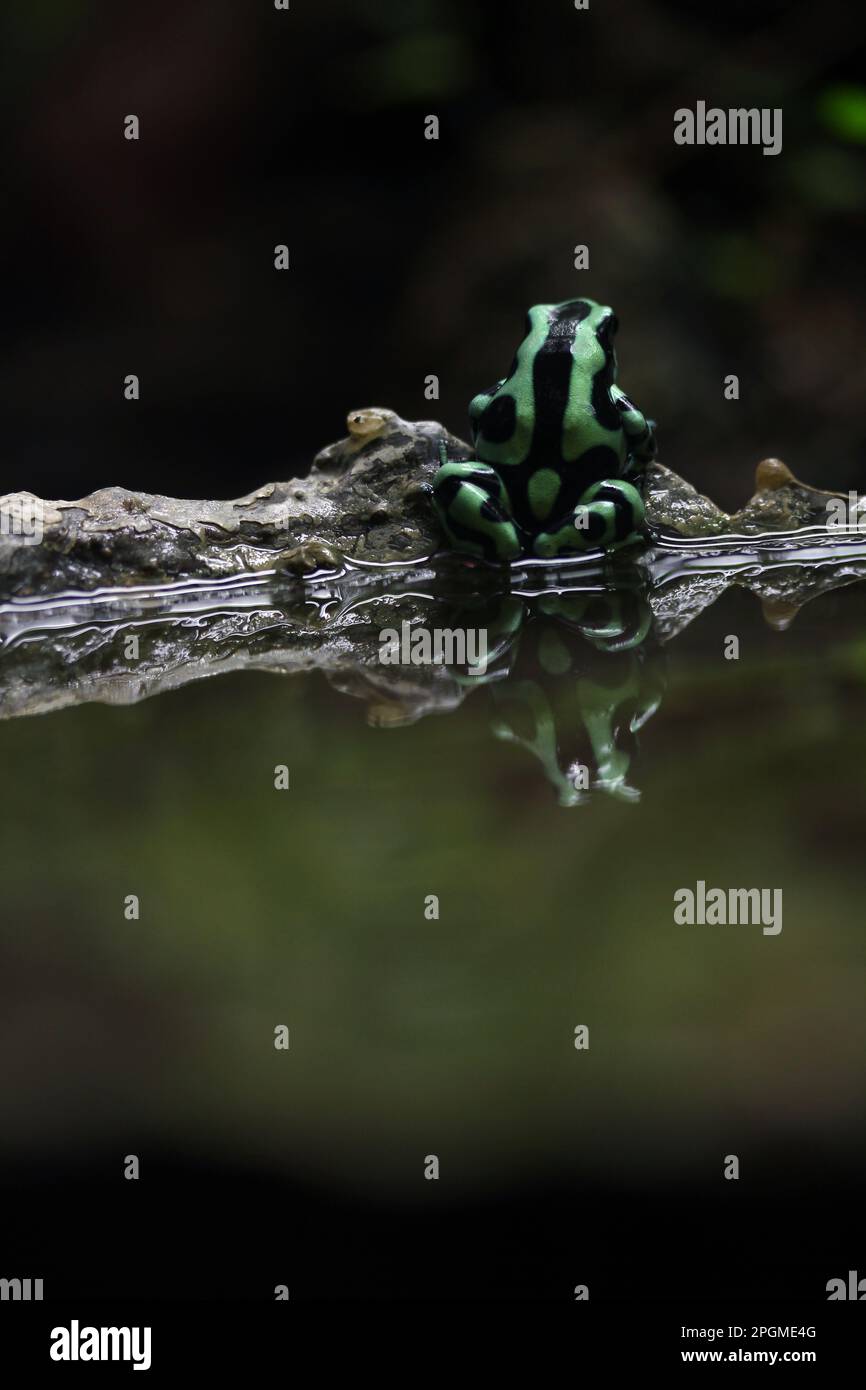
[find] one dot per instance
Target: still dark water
(444, 1029)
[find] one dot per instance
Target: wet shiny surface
(307, 906)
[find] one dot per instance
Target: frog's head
(504, 417)
(581, 319)
(479, 404)
(606, 328)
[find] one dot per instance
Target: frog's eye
(606, 330)
(363, 423)
(479, 403)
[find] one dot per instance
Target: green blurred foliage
(843, 110)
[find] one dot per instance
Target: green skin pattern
(616, 625)
(556, 442)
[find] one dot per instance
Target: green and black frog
(558, 447)
(569, 667)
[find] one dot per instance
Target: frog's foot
(608, 514)
(473, 509)
(530, 699)
(616, 622)
(598, 707)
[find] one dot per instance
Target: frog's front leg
(637, 428)
(608, 514)
(474, 511)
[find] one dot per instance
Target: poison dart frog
(556, 442)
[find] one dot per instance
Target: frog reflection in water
(558, 447)
(564, 665)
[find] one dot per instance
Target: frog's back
(574, 370)
(553, 413)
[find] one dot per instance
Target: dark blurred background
(411, 256)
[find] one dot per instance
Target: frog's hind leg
(473, 509)
(608, 514)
